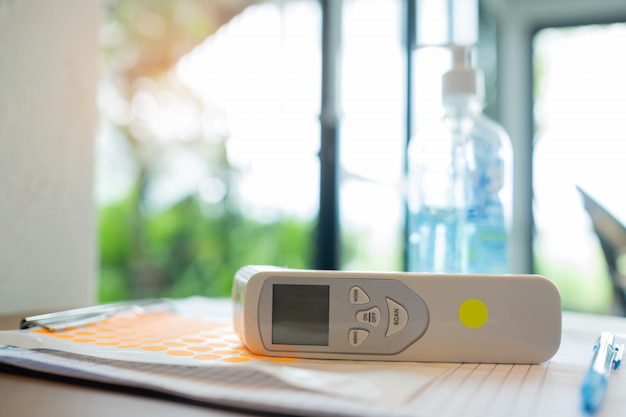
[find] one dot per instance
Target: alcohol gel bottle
(459, 179)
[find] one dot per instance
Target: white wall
(48, 77)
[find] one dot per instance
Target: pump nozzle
(462, 79)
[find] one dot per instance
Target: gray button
(357, 336)
(398, 317)
(371, 316)
(358, 296)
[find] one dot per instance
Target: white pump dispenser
(459, 182)
(462, 80)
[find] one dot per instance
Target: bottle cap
(462, 80)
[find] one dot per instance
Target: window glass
(372, 136)
(208, 147)
(579, 108)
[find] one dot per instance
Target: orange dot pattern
(166, 334)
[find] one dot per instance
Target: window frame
(518, 21)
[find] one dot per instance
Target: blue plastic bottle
(459, 179)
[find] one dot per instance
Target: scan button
(398, 317)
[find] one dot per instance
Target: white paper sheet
(319, 388)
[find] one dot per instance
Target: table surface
(30, 397)
(9, 322)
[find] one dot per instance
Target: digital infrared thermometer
(397, 316)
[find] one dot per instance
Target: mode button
(358, 296)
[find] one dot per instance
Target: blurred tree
(148, 37)
(193, 242)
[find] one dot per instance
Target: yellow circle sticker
(473, 313)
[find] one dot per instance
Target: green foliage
(145, 38)
(587, 289)
(183, 252)
(192, 246)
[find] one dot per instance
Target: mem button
(358, 296)
(398, 317)
(357, 336)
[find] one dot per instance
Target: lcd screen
(300, 314)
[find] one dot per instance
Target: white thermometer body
(397, 316)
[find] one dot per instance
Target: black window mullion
(328, 240)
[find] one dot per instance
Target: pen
(69, 319)
(607, 355)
